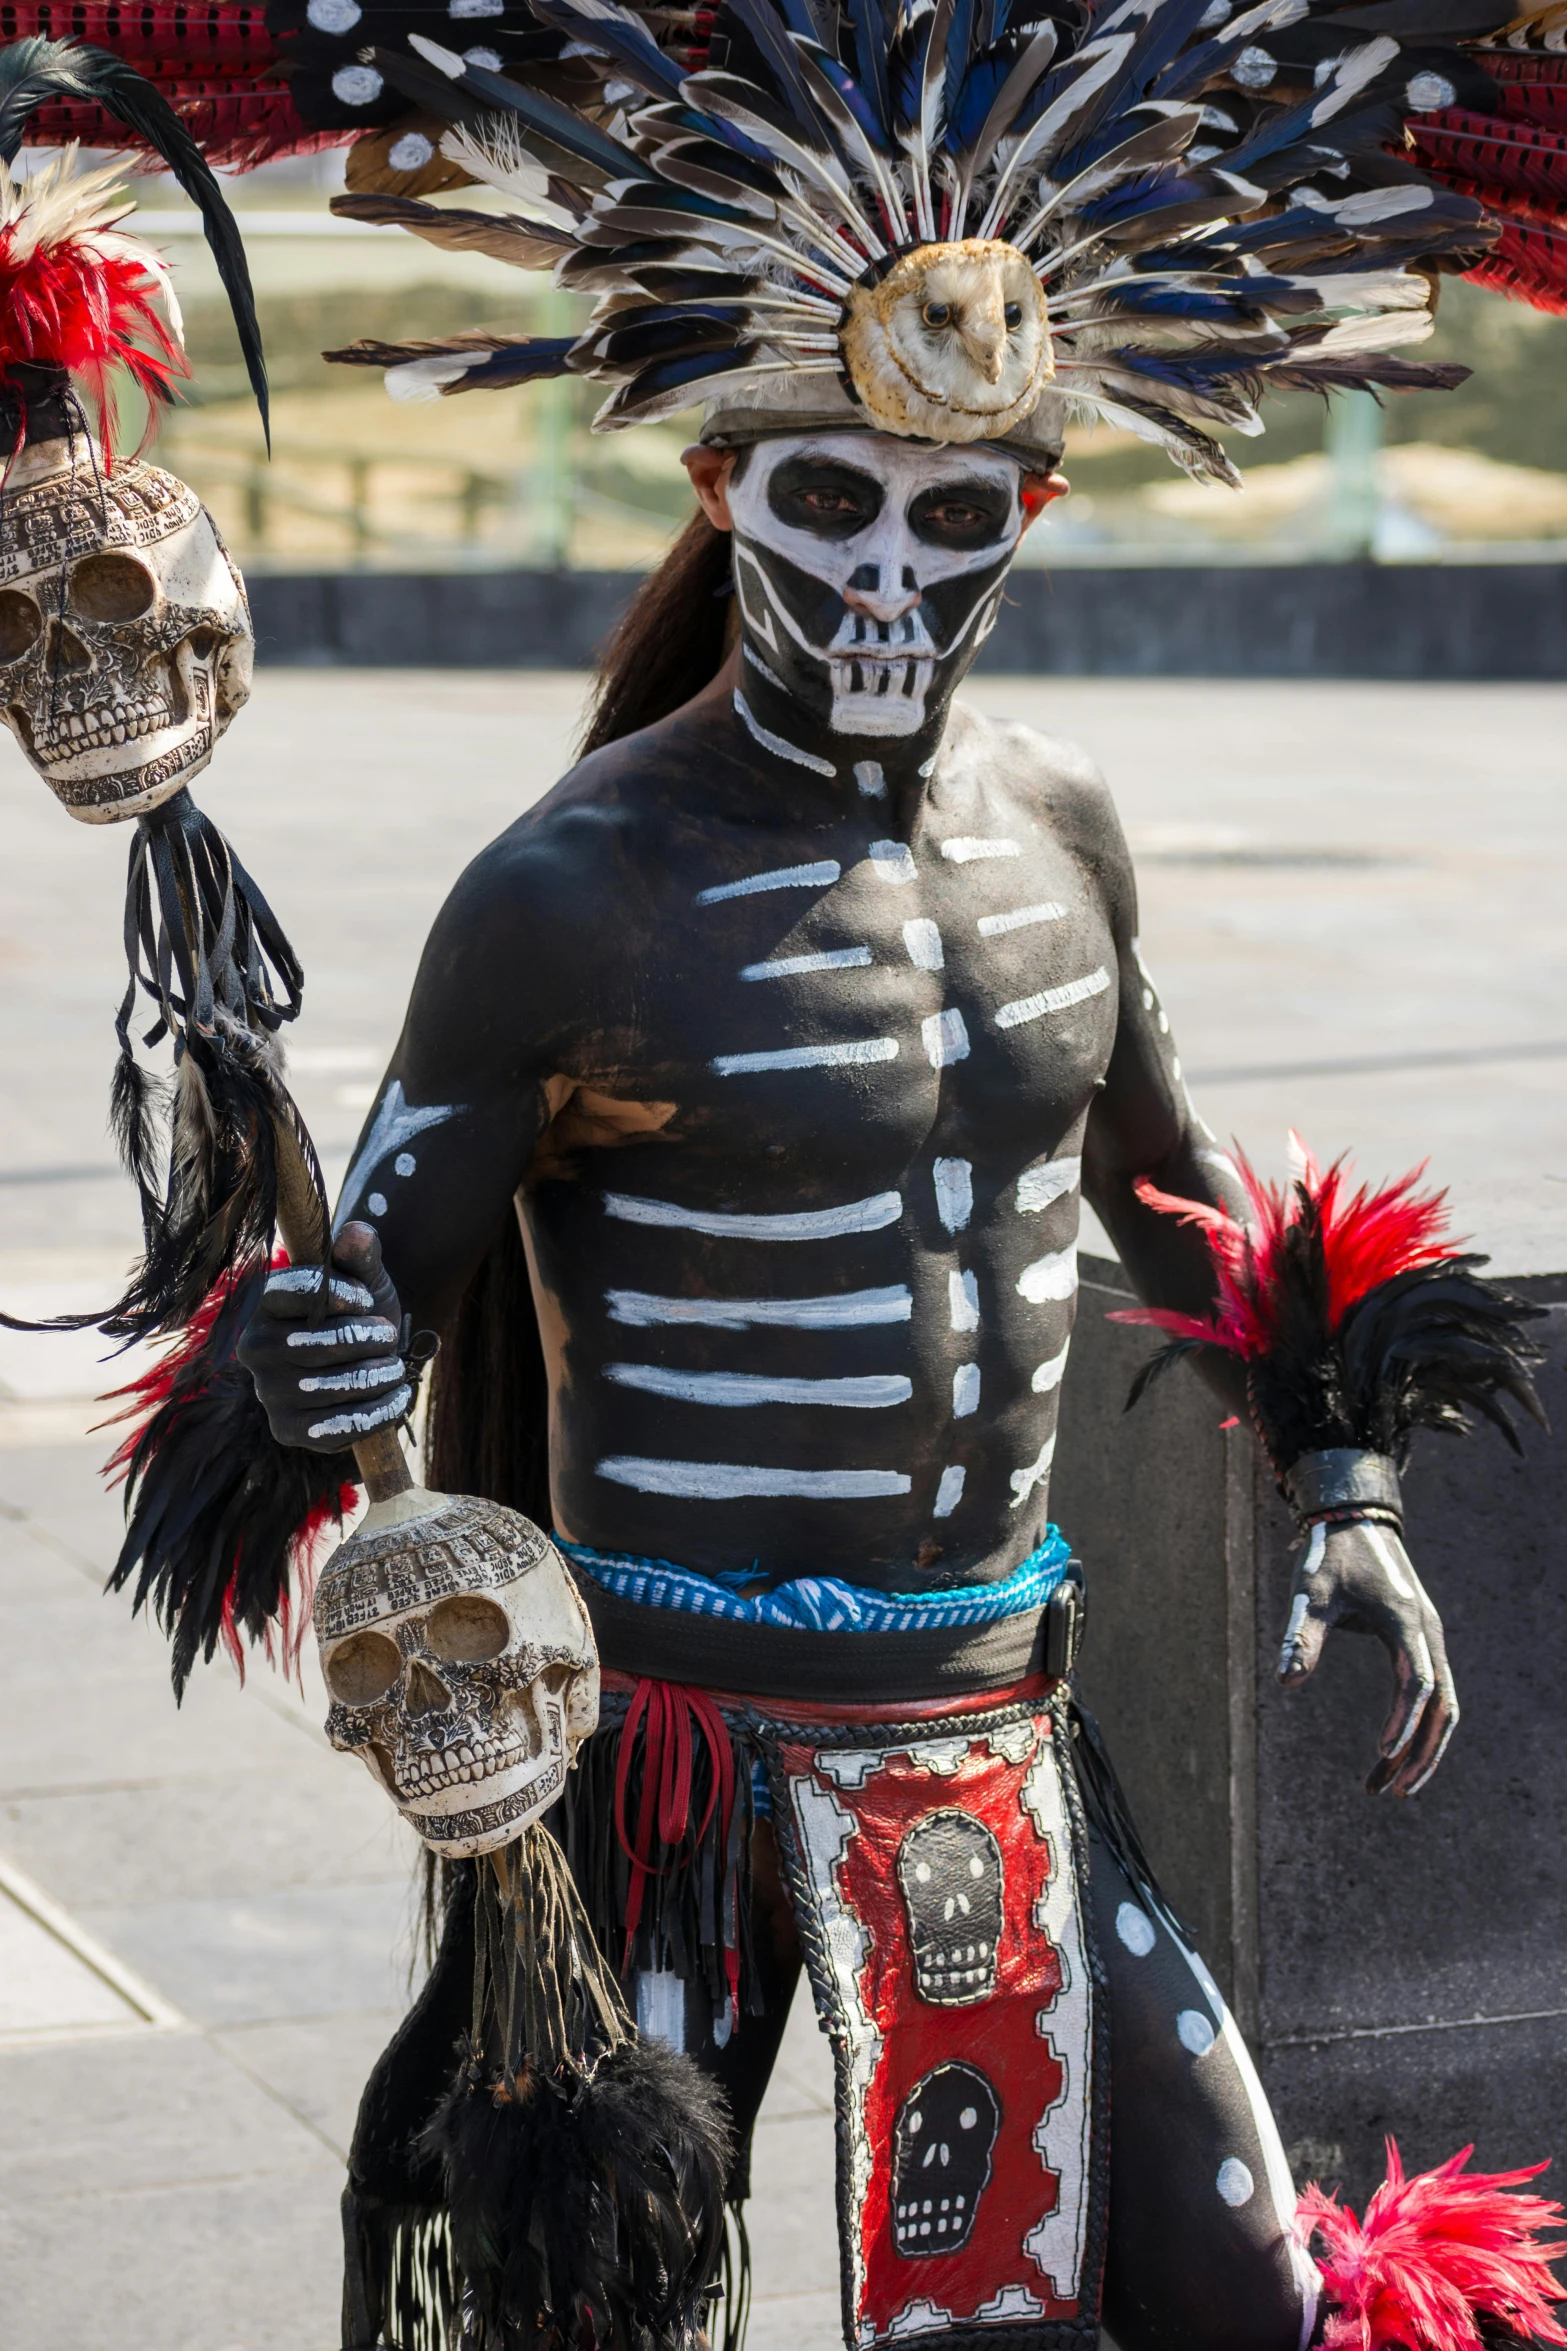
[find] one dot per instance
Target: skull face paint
(460, 1666)
(125, 638)
(868, 572)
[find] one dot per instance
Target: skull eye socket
(466, 1630)
(109, 587)
(20, 624)
(362, 1668)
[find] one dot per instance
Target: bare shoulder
(1055, 778)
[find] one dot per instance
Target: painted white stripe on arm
(991, 926)
(1048, 1375)
(1041, 1187)
(853, 1310)
(965, 1390)
(963, 1301)
(1093, 983)
(868, 1392)
(804, 1224)
(1049, 1278)
(851, 1052)
(950, 1491)
(968, 847)
(892, 861)
(783, 877)
(725, 1481)
(784, 967)
(1023, 1481)
(954, 1193)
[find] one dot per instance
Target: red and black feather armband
(1358, 1321)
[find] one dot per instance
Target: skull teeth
(451, 1767)
(75, 731)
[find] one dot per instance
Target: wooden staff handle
(379, 1457)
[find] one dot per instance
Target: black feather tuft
(584, 2168)
(219, 1513)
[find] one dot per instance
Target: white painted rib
(870, 1392)
(954, 1192)
(1041, 1187)
(945, 1037)
(991, 926)
(779, 745)
(923, 941)
(950, 1491)
(853, 1310)
(1049, 1278)
(963, 1301)
(968, 848)
(1023, 1481)
(1048, 1375)
(892, 861)
(782, 877)
(728, 1481)
(851, 1052)
(1070, 992)
(868, 775)
(965, 1390)
(785, 967)
(800, 1224)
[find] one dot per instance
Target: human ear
(1036, 492)
(710, 471)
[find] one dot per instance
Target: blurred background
(517, 478)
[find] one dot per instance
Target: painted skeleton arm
(1357, 1577)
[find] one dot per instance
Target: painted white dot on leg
(1196, 2031)
(1235, 2183)
(1136, 1929)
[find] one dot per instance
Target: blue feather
(869, 20)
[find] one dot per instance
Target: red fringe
(235, 129)
(1368, 1237)
(1432, 2255)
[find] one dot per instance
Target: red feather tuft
(76, 303)
(1367, 1238)
(1433, 2255)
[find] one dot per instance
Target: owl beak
(986, 337)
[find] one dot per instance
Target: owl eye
(1013, 314)
(937, 314)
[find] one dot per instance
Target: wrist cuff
(1344, 1484)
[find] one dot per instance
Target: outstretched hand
(1359, 1579)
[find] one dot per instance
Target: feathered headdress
(957, 222)
(1357, 1320)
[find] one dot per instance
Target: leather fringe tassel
(399, 2267)
(656, 1823)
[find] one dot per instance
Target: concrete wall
(1256, 620)
(1397, 1967)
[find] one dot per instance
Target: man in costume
(735, 1144)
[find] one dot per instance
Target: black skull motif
(945, 2138)
(949, 1866)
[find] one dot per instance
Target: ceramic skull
(460, 1665)
(125, 637)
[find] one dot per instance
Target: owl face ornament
(868, 572)
(951, 344)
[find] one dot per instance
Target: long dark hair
(670, 642)
(489, 1395)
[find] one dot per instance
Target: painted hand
(1358, 1578)
(325, 1379)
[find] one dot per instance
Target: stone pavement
(1353, 897)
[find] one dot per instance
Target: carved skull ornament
(460, 1665)
(125, 637)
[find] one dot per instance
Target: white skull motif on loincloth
(125, 637)
(460, 1665)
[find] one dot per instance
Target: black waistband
(774, 1661)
